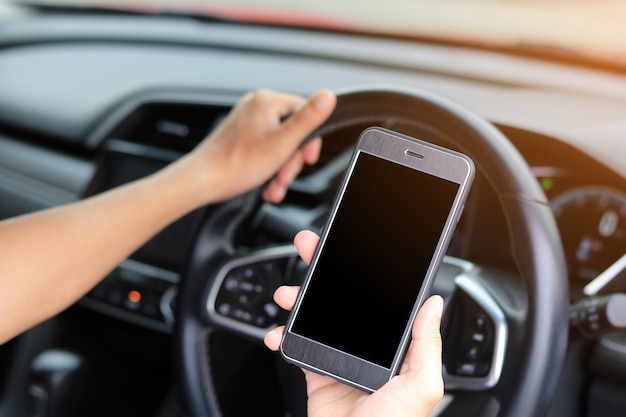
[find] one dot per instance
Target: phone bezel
(415, 154)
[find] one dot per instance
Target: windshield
(576, 29)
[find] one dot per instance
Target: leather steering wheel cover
(501, 162)
(192, 332)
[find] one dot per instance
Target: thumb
(425, 355)
(312, 114)
(419, 387)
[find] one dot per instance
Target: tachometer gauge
(592, 223)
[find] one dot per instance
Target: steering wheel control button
(271, 309)
(246, 293)
(241, 298)
(468, 352)
(247, 285)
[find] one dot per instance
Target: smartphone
(389, 227)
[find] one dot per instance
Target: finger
(273, 338)
(426, 329)
(289, 103)
(311, 151)
(316, 382)
(289, 170)
(306, 242)
(275, 190)
(285, 296)
(282, 104)
(309, 154)
(312, 114)
(425, 353)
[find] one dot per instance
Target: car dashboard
(91, 102)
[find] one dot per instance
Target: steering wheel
(505, 337)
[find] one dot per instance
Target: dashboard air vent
(176, 126)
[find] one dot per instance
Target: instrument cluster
(592, 222)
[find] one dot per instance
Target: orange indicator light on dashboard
(134, 296)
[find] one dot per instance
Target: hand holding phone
(414, 392)
(379, 253)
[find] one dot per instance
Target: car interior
(95, 96)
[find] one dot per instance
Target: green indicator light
(547, 183)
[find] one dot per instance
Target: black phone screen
(375, 258)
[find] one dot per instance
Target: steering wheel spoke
(475, 333)
(240, 299)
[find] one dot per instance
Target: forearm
(51, 258)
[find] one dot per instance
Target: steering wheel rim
(528, 387)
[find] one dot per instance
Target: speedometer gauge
(592, 223)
